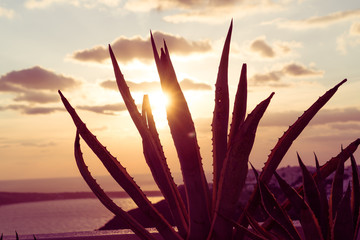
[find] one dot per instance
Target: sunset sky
(296, 48)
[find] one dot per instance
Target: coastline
(7, 198)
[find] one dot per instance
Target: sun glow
(159, 101)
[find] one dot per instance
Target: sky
(296, 48)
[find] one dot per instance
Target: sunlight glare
(159, 101)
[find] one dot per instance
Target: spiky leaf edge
(184, 136)
(234, 171)
(161, 172)
(219, 126)
(154, 155)
(283, 145)
(120, 175)
(308, 220)
(135, 226)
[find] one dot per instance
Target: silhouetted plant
(207, 216)
(320, 219)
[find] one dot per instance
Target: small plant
(320, 219)
(208, 215)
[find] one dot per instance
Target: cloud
(29, 110)
(37, 97)
(260, 46)
(39, 145)
(348, 39)
(298, 70)
(278, 49)
(291, 69)
(6, 13)
(41, 4)
(128, 49)
(137, 87)
(36, 78)
(188, 84)
(346, 126)
(336, 117)
(273, 76)
(108, 109)
(317, 21)
(213, 11)
(355, 29)
(185, 85)
(35, 85)
(148, 5)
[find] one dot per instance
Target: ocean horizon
(80, 211)
(59, 216)
(75, 184)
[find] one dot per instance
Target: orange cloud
(128, 49)
(291, 69)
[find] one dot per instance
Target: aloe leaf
(328, 168)
(355, 190)
(126, 95)
(311, 192)
(103, 197)
(250, 234)
(272, 207)
(336, 190)
(308, 220)
(293, 132)
(184, 136)
(119, 173)
(240, 102)
(161, 172)
(324, 217)
(284, 143)
(258, 228)
(220, 120)
(150, 123)
(235, 170)
(153, 150)
(343, 228)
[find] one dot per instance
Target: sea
(59, 216)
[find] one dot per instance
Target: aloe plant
(207, 215)
(336, 219)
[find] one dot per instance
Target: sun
(158, 102)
